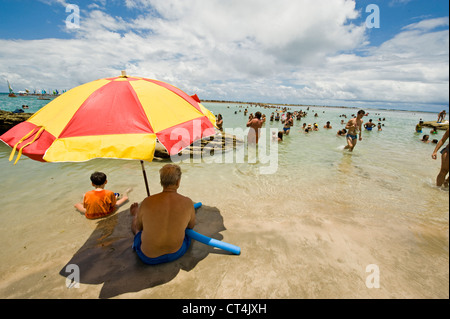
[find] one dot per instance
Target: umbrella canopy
(119, 117)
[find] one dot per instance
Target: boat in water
(11, 92)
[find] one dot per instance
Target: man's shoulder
(159, 196)
(185, 199)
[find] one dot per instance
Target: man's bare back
(165, 217)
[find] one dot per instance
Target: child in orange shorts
(100, 202)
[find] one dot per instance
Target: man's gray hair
(170, 174)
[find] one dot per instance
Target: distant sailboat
(11, 92)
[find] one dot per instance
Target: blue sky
(34, 19)
(289, 51)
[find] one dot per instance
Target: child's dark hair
(280, 135)
(98, 178)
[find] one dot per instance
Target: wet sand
(292, 256)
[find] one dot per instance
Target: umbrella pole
(145, 178)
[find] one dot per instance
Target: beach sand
(293, 254)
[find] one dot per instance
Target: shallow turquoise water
(10, 104)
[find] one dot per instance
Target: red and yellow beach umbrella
(120, 117)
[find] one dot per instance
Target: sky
(390, 54)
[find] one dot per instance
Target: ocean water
(308, 226)
(10, 104)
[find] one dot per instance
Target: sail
(10, 88)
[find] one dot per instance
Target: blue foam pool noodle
(197, 205)
(213, 242)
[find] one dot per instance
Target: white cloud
(275, 51)
(57, 2)
(393, 3)
(428, 24)
(412, 68)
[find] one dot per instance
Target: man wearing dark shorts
(288, 123)
(354, 128)
(160, 222)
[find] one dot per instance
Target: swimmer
(288, 122)
(354, 127)
(369, 125)
(425, 139)
(419, 127)
(255, 124)
(441, 116)
(280, 136)
(274, 137)
(219, 122)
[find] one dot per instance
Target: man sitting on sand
(160, 222)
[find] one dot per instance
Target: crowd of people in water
(286, 117)
(352, 128)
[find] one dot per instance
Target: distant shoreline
(273, 104)
(310, 105)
